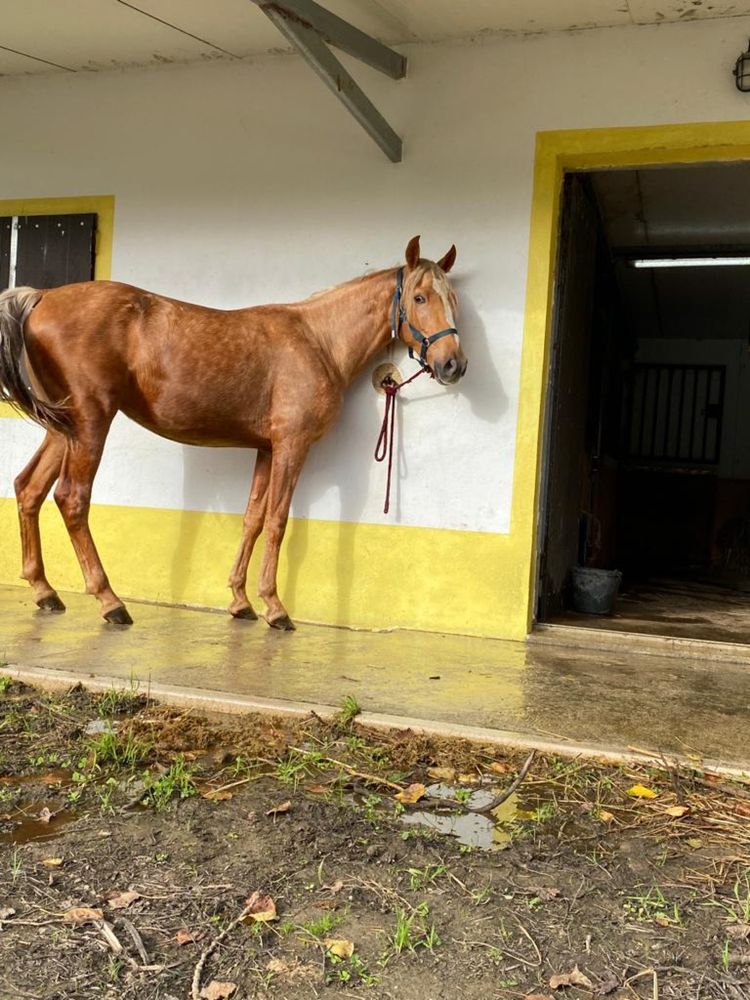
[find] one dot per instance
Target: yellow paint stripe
(103, 205)
(362, 575)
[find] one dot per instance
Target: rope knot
(384, 446)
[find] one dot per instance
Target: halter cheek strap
(398, 317)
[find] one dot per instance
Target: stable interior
(647, 443)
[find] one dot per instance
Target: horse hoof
(118, 616)
(283, 624)
(51, 603)
(246, 614)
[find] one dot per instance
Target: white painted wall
(239, 183)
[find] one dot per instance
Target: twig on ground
(375, 779)
(640, 975)
(136, 938)
(106, 931)
(235, 784)
(210, 949)
(509, 790)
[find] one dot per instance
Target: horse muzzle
(451, 370)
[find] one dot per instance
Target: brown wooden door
(568, 397)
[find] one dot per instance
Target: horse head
(427, 310)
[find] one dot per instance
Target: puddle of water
(59, 776)
(472, 829)
(27, 826)
(98, 726)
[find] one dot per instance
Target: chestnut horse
(269, 377)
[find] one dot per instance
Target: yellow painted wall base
(364, 575)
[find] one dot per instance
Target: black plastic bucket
(595, 590)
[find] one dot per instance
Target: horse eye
(419, 299)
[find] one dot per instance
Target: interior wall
(237, 183)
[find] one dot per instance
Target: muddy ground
(150, 853)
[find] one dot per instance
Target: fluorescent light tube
(691, 262)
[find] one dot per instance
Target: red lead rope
(387, 430)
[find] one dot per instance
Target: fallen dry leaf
(641, 792)
(184, 936)
(573, 978)
(662, 920)
(500, 767)
(605, 817)
(217, 990)
(278, 810)
(261, 908)
(82, 914)
(216, 795)
(742, 808)
(291, 969)
(678, 811)
(122, 900)
(547, 893)
(317, 789)
(537, 996)
(339, 947)
(45, 815)
(441, 773)
(52, 862)
(6, 912)
(694, 842)
(412, 793)
(334, 887)
(468, 779)
(737, 931)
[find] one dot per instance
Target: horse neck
(352, 322)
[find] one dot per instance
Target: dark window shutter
(5, 224)
(55, 249)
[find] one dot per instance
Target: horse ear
(448, 261)
(412, 253)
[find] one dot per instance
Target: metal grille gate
(676, 414)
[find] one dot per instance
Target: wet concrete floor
(533, 695)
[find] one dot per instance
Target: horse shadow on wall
(217, 479)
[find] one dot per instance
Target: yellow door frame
(558, 153)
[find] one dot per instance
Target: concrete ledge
(223, 703)
(612, 640)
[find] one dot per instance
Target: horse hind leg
(285, 469)
(32, 486)
(73, 497)
(252, 526)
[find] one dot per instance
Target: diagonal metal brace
(342, 35)
(311, 46)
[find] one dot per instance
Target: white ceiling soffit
(706, 205)
(42, 36)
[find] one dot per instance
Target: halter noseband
(398, 316)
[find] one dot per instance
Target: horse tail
(15, 306)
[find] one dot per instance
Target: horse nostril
(450, 366)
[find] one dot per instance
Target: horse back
(185, 371)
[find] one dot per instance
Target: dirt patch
(143, 849)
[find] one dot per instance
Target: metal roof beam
(307, 39)
(339, 33)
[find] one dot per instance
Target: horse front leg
(286, 465)
(73, 497)
(251, 528)
(32, 485)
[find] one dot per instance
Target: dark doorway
(46, 250)
(647, 443)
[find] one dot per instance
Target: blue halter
(398, 316)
